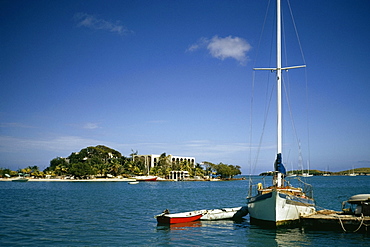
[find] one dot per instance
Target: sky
(176, 77)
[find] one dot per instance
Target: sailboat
(307, 174)
(352, 174)
(279, 204)
(147, 178)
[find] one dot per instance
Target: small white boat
(222, 214)
(307, 175)
(20, 179)
(146, 178)
(134, 182)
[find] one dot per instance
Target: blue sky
(176, 77)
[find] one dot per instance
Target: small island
(101, 162)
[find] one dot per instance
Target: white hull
(306, 175)
(219, 214)
(146, 178)
(134, 182)
(279, 208)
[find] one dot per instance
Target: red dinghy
(167, 218)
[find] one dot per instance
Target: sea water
(121, 214)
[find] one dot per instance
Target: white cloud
(229, 47)
(202, 42)
(222, 48)
(62, 143)
(91, 126)
(90, 21)
(15, 125)
(19, 151)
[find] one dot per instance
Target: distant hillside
(358, 171)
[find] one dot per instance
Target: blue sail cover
(279, 165)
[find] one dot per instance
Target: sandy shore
(103, 180)
(73, 180)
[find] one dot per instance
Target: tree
(197, 171)
(6, 171)
(223, 170)
(81, 170)
(140, 166)
(165, 164)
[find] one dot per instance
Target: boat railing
(252, 189)
(306, 188)
(255, 188)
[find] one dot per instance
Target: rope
(361, 224)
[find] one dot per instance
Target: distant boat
(279, 204)
(292, 174)
(306, 175)
(326, 174)
(134, 182)
(20, 179)
(167, 218)
(353, 174)
(146, 178)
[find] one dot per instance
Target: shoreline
(111, 180)
(71, 180)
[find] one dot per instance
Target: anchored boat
(167, 218)
(279, 204)
(355, 216)
(224, 213)
(146, 178)
(212, 214)
(20, 178)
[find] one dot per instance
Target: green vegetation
(28, 171)
(102, 161)
(222, 170)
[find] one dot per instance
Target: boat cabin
(357, 205)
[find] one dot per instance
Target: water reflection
(179, 226)
(220, 224)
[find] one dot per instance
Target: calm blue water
(120, 214)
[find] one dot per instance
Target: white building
(179, 175)
(151, 160)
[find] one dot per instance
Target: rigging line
(290, 112)
(296, 32)
(251, 124)
(263, 127)
(253, 84)
(262, 31)
(306, 80)
(307, 116)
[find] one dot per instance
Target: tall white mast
(278, 70)
(278, 79)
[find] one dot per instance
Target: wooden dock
(333, 220)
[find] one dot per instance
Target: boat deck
(328, 219)
(287, 190)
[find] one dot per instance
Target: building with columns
(151, 160)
